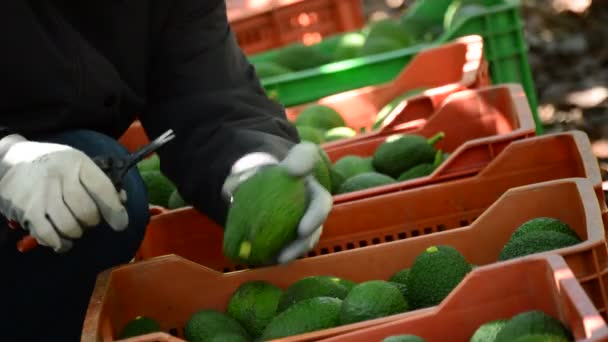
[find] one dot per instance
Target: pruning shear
(115, 168)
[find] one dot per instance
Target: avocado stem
(435, 138)
(438, 158)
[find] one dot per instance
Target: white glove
(55, 192)
(299, 162)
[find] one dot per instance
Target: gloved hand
(299, 162)
(55, 191)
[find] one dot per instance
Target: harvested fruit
(176, 201)
(322, 170)
(159, 187)
(321, 117)
(304, 316)
(338, 133)
(349, 45)
(403, 338)
(300, 57)
(364, 181)
(204, 325)
(254, 235)
(534, 326)
(229, 337)
(350, 166)
(544, 224)
(378, 45)
(140, 325)
(387, 29)
(269, 69)
(372, 299)
(151, 163)
(460, 10)
(402, 276)
(314, 286)
(487, 332)
(536, 242)
(336, 180)
(254, 305)
(401, 152)
(312, 134)
(434, 274)
(422, 170)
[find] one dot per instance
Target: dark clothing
(45, 294)
(175, 64)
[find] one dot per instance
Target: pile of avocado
(384, 35)
(259, 310)
(161, 191)
(528, 326)
(322, 124)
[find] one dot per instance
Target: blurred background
(568, 54)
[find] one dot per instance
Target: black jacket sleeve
(202, 86)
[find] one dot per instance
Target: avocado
(270, 69)
(387, 29)
(434, 274)
(176, 201)
(487, 332)
(403, 338)
(158, 186)
(322, 170)
(320, 116)
(422, 170)
(544, 224)
(254, 305)
(338, 133)
(229, 337)
(536, 242)
(151, 163)
(206, 324)
(365, 181)
(388, 108)
(350, 166)
(400, 152)
(314, 286)
(140, 325)
(336, 180)
(402, 288)
(526, 325)
(308, 315)
(459, 11)
(372, 299)
(378, 45)
(312, 134)
(348, 46)
(402, 276)
(301, 57)
(254, 235)
(422, 30)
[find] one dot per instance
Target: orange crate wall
(305, 21)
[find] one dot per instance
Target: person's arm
(202, 86)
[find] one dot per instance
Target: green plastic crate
(505, 47)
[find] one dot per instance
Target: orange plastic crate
(544, 284)
(477, 124)
(457, 65)
(170, 288)
(400, 215)
(276, 23)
